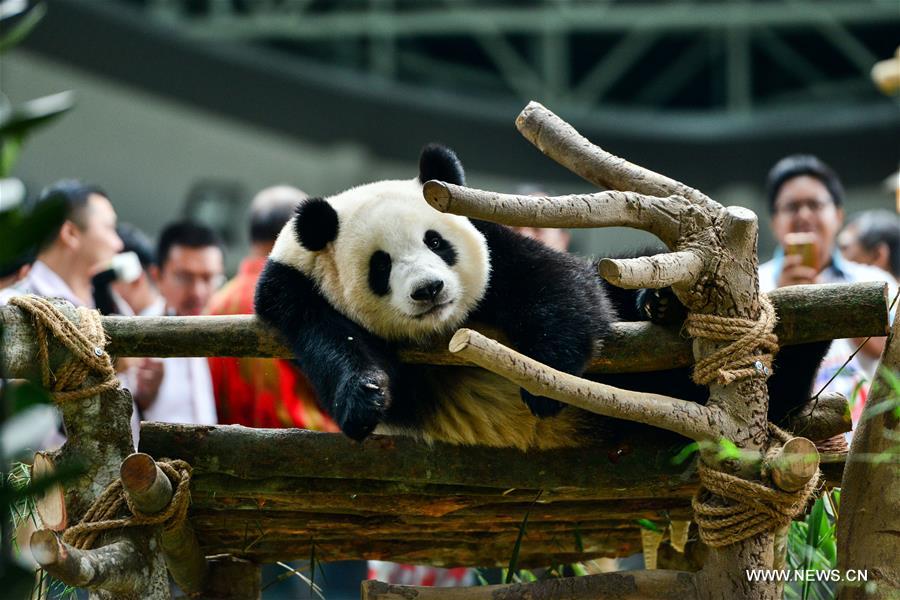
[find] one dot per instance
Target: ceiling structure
(731, 84)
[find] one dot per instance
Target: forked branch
(659, 216)
(561, 142)
(686, 418)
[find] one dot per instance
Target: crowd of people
(182, 274)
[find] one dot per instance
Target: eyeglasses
(794, 208)
(185, 279)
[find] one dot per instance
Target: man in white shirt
(806, 196)
(190, 268)
(69, 256)
(83, 244)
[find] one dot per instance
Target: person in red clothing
(262, 392)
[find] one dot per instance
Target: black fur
(316, 224)
(350, 368)
(380, 273)
(440, 163)
(437, 244)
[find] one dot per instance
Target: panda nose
(429, 291)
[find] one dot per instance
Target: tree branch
(116, 567)
(686, 418)
(561, 142)
(662, 270)
(658, 215)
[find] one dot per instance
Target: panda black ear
(439, 162)
(315, 224)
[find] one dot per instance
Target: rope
(750, 352)
(85, 343)
(729, 509)
(101, 516)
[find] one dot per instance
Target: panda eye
(433, 240)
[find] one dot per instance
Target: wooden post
(151, 491)
(232, 578)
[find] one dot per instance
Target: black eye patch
(380, 273)
(437, 244)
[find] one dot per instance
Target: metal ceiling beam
(537, 20)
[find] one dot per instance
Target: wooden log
(626, 585)
(117, 567)
(284, 494)
(821, 418)
(145, 483)
(448, 550)
(232, 578)
(795, 464)
(151, 491)
(806, 314)
(51, 503)
(623, 469)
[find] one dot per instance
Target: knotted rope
(101, 516)
(85, 343)
(750, 352)
(729, 509)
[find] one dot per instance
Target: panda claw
(360, 408)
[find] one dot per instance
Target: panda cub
(355, 276)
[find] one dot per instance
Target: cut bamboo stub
(51, 503)
(795, 464)
(151, 491)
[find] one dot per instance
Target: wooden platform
(268, 494)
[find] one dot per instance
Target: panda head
(386, 259)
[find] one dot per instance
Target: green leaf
(21, 29)
(21, 231)
(16, 581)
(685, 453)
(21, 120)
(728, 450)
(10, 147)
(514, 559)
(25, 394)
(648, 524)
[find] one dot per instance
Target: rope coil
(85, 342)
(752, 347)
(101, 516)
(729, 509)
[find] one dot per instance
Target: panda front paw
(541, 406)
(661, 306)
(361, 403)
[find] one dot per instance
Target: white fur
(392, 216)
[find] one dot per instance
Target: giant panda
(355, 276)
